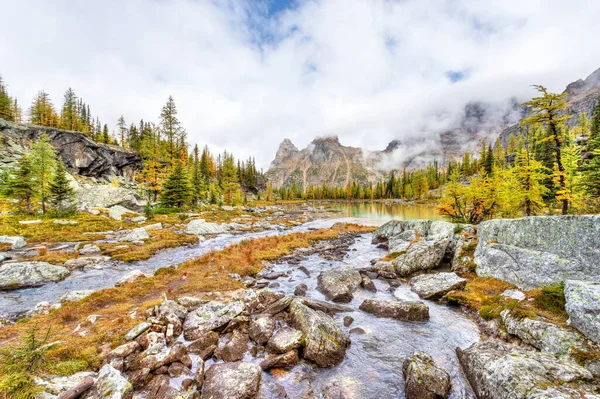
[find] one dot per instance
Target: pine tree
(42, 158)
(61, 192)
(69, 116)
(105, 136)
(42, 111)
(122, 125)
(176, 190)
(22, 185)
(592, 169)
(6, 103)
(171, 127)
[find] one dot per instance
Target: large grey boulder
(137, 234)
(423, 379)
(261, 329)
(107, 196)
(545, 336)
(58, 385)
(111, 384)
(496, 370)
(325, 342)
(29, 274)
(339, 284)
(583, 307)
(16, 242)
(200, 227)
(285, 340)
(396, 309)
(239, 380)
(535, 251)
(433, 286)
(210, 316)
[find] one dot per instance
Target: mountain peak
(327, 140)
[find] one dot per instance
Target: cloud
(246, 74)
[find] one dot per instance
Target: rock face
(238, 380)
(423, 379)
(29, 274)
(399, 310)
(325, 342)
(80, 154)
(339, 284)
(496, 370)
(433, 286)
(200, 226)
(535, 251)
(583, 307)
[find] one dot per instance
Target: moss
(584, 357)
(551, 298)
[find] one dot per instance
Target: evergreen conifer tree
(61, 192)
(42, 158)
(22, 186)
(177, 191)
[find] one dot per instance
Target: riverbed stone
(534, 251)
(396, 309)
(367, 284)
(234, 349)
(497, 370)
(583, 307)
(130, 277)
(111, 384)
(434, 286)
(89, 249)
(19, 275)
(423, 379)
(287, 359)
(200, 227)
(16, 242)
(134, 235)
(325, 342)
(137, 330)
(86, 261)
(385, 269)
(301, 290)
(73, 296)
(205, 345)
(210, 316)
(286, 339)
(261, 329)
(421, 256)
(240, 380)
(545, 336)
(339, 284)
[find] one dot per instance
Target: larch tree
(43, 161)
(69, 115)
(530, 190)
(122, 126)
(22, 185)
(6, 103)
(42, 112)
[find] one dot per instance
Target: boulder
(89, 249)
(205, 345)
(130, 277)
(200, 227)
(139, 219)
(154, 359)
(43, 307)
(137, 330)
(421, 256)
(239, 380)
(261, 329)
(73, 296)
(111, 384)
(545, 336)
(16, 242)
(287, 359)
(325, 342)
(86, 261)
(19, 275)
(583, 307)
(461, 258)
(154, 226)
(434, 286)
(59, 385)
(385, 269)
(396, 309)
(138, 234)
(339, 284)
(423, 379)
(286, 339)
(117, 211)
(301, 290)
(234, 349)
(541, 250)
(496, 370)
(210, 316)
(514, 294)
(367, 284)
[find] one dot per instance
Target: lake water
(384, 211)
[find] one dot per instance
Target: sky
(245, 74)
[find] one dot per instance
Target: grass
(56, 257)
(159, 239)
(119, 309)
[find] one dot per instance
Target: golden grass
(56, 257)
(159, 239)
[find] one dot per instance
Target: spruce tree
(61, 192)
(22, 185)
(177, 191)
(42, 162)
(6, 104)
(105, 138)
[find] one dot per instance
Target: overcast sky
(247, 74)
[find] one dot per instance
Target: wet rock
(210, 316)
(139, 378)
(423, 379)
(239, 380)
(16, 242)
(367, 284)
(337, 390)
(287, 359)
(200, 227)
(259, 301)
(583, 307)
(301, 290)
(285, 339)
(496, 370)
(385, 269)
(514, 294)
(357, 330)
(73, 296)
(137, 330)
(89, 249)
(151, 360)
(545, 336)
(130, 277)
(234, 349)
(111, 384)
(271, 276)
(339, 284)
(325, 342)
(261, 329)
(325, 307)
(541, 250)
(86, 261)
(151, 339)
(271, 390)
(348, 320)
(421, 256)
(304, 270)
(117, 211)
(29, 274)
(396, 309)
(433, 286)
(177, 369)
(161, 389)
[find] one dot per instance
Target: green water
(383, 211)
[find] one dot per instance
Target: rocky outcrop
(496, 370)
(200, 227)
(535, 251)
(396, 309)
(423, 379)
(583, 307)
(434, 286)
(29, 274)
(339, 284)
(81, 155)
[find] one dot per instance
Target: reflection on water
(385, 211)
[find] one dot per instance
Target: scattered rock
(86, 261)
(385, 269)
(59, 385)
(287, 359)
(210, 316)
(399, 310)
(137, 330)
(89, 249)
(139, 219)
(234, 349)
(112, 385)
(423, 379)
(154, 226)
(65, 222)
(130, 277)
(117, 211)
(348, 320)
(200, 227)
(29, 274)
(286, 339)
(261, 329)
(28, 222)
(232, 380)
(134, 235)
(16, 242)
(72, 296)
(339, 284)
(433, 286)
(583, 307)
(43, 307)
(514, 294)
(301, 290)
(205, 345)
